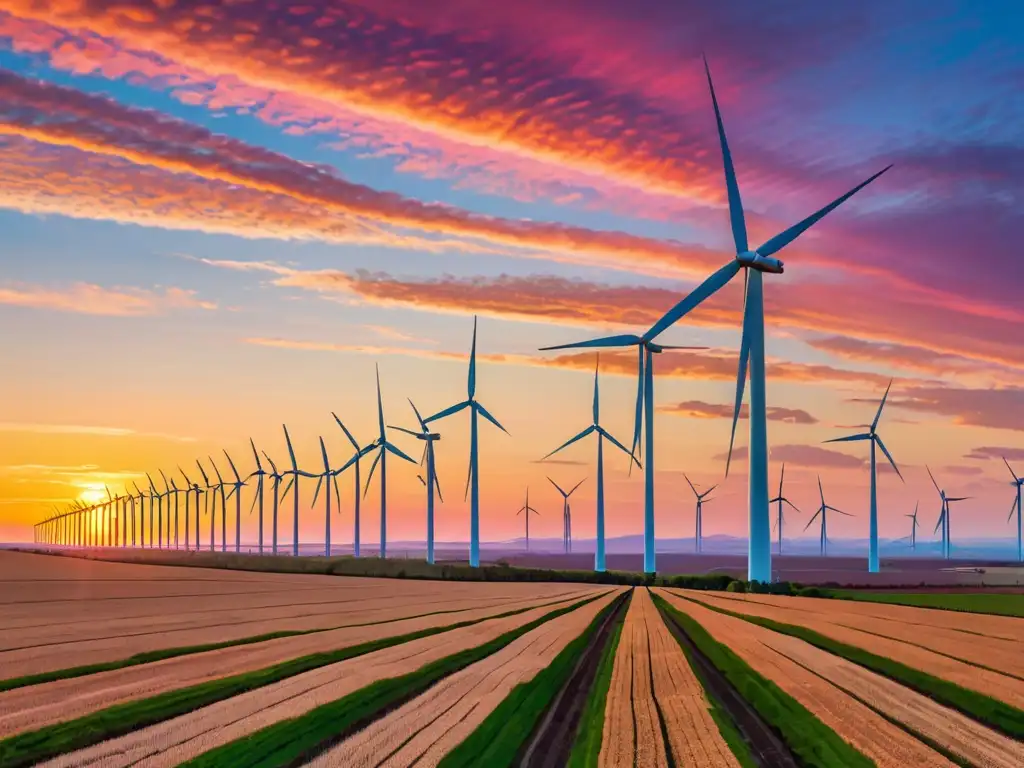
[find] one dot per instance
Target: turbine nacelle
(755, 260)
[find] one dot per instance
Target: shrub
(736, 586)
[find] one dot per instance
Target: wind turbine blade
(397, 452)
(576, 486)
(255, 496)
(597, 401)
(572, 440)
(471, 381)
(821, 491)
(709, 490)
(841, 512)
(419, 418)
(288, 486)
(452, 409)
(256, 456)
(608, 436)
(484, 412)
(739, 227)
(638, 421)
(273, 466)
(741, 381)
(849, 438)
(316, 493)
(622, 340)
(881, 405)
(345, 430)
(291, 452)
(380, 403)
(406, 431)
(1013, 508)
(469, 476)
(782, 477)
(422, 481)
(784, 238)
(888, 456)
(337, 491)
(557, 486)
(423, 456)
(794, 506)
(691, 486)
(237, 477)
(373, 466)
(939, 521)
(694, 298)
(437, 486)
(956, 498)
(183, 475)
(813, 518)
(323, 452)
(1012, 473)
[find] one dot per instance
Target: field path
(882, 741)
(647, 652)
(175, 741)
(430, 726)
(1003, 687)
(32, 707)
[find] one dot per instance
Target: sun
(92, 495)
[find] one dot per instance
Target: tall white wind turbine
(1017, 483)
(753, 263)
(259, 474)
(876, 440)
(473, 480)
(602, 434)
(823, 510)
(428, 438)
(354, 462)
(566, 514)
(209, 499)
(943, 521)
(142, 516)
(277, 477)
(383, 447)
(295, 472)
(527, 509)
(236, 489)
(780, 500)
(914, 525)
(698, 540)
(155, 500)
(328, 475)
(219, 486)
(190, 489)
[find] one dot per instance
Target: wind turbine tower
(698, 540)
(259, 474)
(236, 489)
(1017, 482)
(428, 438)
(276, 477)
(780, 500)
(943, 521)
(295, 472)
(823, 510)
(566, 514)
(328, 475)
(354, 461)
(527, 509)
(914, 525)
(223, 508)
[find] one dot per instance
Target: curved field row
(32, 707)
(430, 726)
(652, 684)
(996, 653)
(875, 736)
(174, 741)
(1007, 689)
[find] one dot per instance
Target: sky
(218, 217)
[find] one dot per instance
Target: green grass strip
(170, 653)
(49, 741)
(498, 741)
(996, 604)
(985, 709)
(297, 740)
(812, 743)
(587, 747)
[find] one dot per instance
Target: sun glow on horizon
(92, 494)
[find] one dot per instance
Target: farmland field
(1001, 603)
(116, 664)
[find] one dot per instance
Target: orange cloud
(84, 429)
(697, 409)
(90, 299)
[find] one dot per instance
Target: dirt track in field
(174, 741)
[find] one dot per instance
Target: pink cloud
(697, 409)
(91, 299)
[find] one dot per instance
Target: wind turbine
(753, 263)
(155, 499)
(190, 488)
(875, 439)
(780, 500)
(236, 489)
(428, 438)
(259, 474)
(474, 455)
(944, 515)
(109, 513)
(1018, 482)
(914, 525)
(596, 427)
(223, 508)
(175, 492)
(209, 498)
(699, 534)
(295, 472)
(527, 509)
(328, 475)
(354, 461)
(566, 514)
(277, 477)
(382, 446)
(142, 516)
(823, 511)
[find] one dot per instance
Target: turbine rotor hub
(754, 260)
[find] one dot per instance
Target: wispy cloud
(804, 456)
(92, 299)
(393, 334)
(698, 409)
(84, 429)
(995, 453)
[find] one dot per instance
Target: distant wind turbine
(602, 434)
(259, 474)
(223, 507)
(473, 480)
(698, 541)
(780, 500)
(383, 446)
(566, 514)
(236, 489)
(176, 492)
(753, 263)
(295, 472)
(354, 461)
(328, 475)
(191, 488)
(155, 500)
(914, 525)
(142, 513)
(943, 521)
(210, 498)
(428, 438)
(527, 509)
(167, 495)
(277, 477)
(875, 439)
(1017, 482)
(823, 510)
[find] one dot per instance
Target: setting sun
(92, 495)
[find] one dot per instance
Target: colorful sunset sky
(217, 217)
